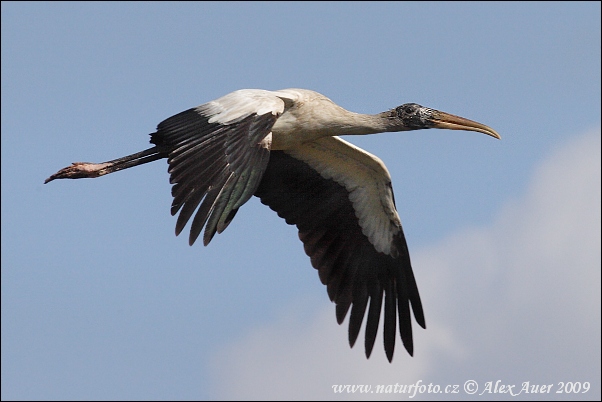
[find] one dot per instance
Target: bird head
(415, 117)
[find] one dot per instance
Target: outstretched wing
(217, 153)
(341, 200)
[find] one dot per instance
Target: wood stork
(282, 147)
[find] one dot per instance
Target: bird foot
(79, 170)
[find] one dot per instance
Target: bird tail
(79, 170)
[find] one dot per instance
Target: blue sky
(101, 301)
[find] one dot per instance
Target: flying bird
(283, 147)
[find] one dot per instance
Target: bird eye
(407, 110)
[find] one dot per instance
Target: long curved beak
(453, 122)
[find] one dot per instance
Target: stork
(283, 147)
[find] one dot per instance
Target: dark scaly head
(412, 116)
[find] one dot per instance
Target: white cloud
(516, 301)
